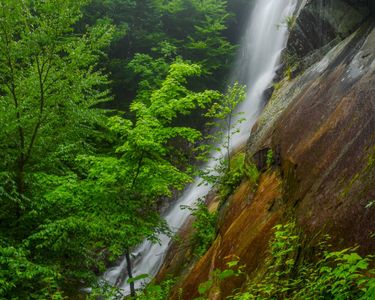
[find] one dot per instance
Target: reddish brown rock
(321, 127)
(244, 233)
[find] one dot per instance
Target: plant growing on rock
(225, 121)
(291, 22)
(330, 275)
(204, 227)
(208, 288)
(270, 159)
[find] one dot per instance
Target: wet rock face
(244, 232)
(322, 23)
(324, 126)
(321, 129)
(328, 132)
(311, 32)
(324, 141)
(362, 4)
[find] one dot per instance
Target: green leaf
(137, 278)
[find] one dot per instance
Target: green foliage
(50, 84)
(151, 72)
(225, 117)
(76, 187)
(252, 173)
(234, 269)
(156, 291)
(290, 22)
(162, 31)
(198, 27)
(111, 205)
(205, 228)
(288, 73)
(20, 278)
(233, 176)
(292, 64)
(270, 160)
(331, 275)
(225, 121)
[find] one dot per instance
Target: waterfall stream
(257, 62)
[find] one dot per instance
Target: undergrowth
(234, 175)
(336, 275)
(204, 228)
(329, 275)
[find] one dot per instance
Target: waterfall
(256, 66)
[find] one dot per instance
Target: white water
(257, 62)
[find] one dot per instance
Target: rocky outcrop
(319, 25)
(321, 128)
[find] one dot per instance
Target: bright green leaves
(156, 292)
(151, 72)
(226, 108)
(110, 202)
(232, 176)
(49, 84)
(345, 279)
(336, 275)
(204, 228)
(225, 119)
(22, 279)
(78, 188)
(153, 33)
(204, 287)
(145, 148)
(49, 79)
(217, 277)
(174, 98)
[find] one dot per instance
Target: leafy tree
(49, 87)
(198, 29)
(76, 188)
(146, 152)
(227, 118)
(160, 31)
(48, 84)
(22, 279)
(224, 121)
(110, 204)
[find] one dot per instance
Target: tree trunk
(20, 181)
(130, 275)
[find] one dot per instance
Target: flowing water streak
(257, 63)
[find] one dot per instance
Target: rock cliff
(320, 125)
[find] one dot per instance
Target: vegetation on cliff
(327, 274)
(108, 106)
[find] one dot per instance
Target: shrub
(156, 291)
(205, 228)
(338, 275)
(232, 176)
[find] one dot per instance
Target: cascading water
(257, 62)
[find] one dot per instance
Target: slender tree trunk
(21, 177)
(130, 275)
(228, 139)
(20, 181)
